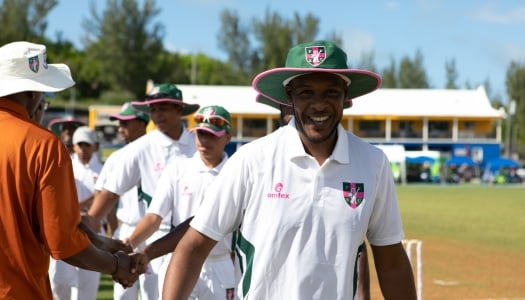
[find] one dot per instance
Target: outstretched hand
(130, 266)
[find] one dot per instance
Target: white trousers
(69, 282)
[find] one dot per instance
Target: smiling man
(304, 197)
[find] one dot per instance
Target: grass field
(473, 241)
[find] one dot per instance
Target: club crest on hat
(154, 90)
(315, 55)
(34, 63)
(208, 112)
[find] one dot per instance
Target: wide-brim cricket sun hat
(24, 67)
(317, 56)
(127, 112)
(56, 124)
(262, 99)
(166, 92)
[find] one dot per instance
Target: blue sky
(482, 36)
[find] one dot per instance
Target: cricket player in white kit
(180, 190)
(305, 196)
(132, 125)
(143, 160)
(68, 281)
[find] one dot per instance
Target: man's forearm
(167, 243)
(103, 203)
(104, 243)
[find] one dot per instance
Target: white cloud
(489, 13)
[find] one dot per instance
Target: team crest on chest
(315, 55)
(354, 193)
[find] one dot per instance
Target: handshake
(129, 265)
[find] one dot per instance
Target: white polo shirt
(85, 176)
(130, 210)
(300, 223)
(180, 191)
(143, 160)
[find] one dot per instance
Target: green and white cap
(127, 112)
(214, 119)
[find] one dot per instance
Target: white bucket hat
(24, 67)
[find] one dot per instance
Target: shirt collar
(295, 147)
(186, 138)
(14, 107)
(201, 167)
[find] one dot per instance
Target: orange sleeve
(59, 213)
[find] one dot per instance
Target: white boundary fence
(417, 246)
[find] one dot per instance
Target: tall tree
(366, 62)
(304, 29)
(452, 74)
(233, 38)
(274, 36)
(24, 20)
(389, 75)
(265, 43)
(124, 43)
(412, 73)
(515, 82)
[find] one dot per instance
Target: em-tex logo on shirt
(354, 193)
(278, 188)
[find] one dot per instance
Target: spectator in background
(64, 128)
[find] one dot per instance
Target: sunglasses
(213, 120)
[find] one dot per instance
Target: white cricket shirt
(180, 191)
(85, 176)
(143, 160)
(300, 223)
(130, 210)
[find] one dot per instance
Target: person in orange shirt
(40, 210)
